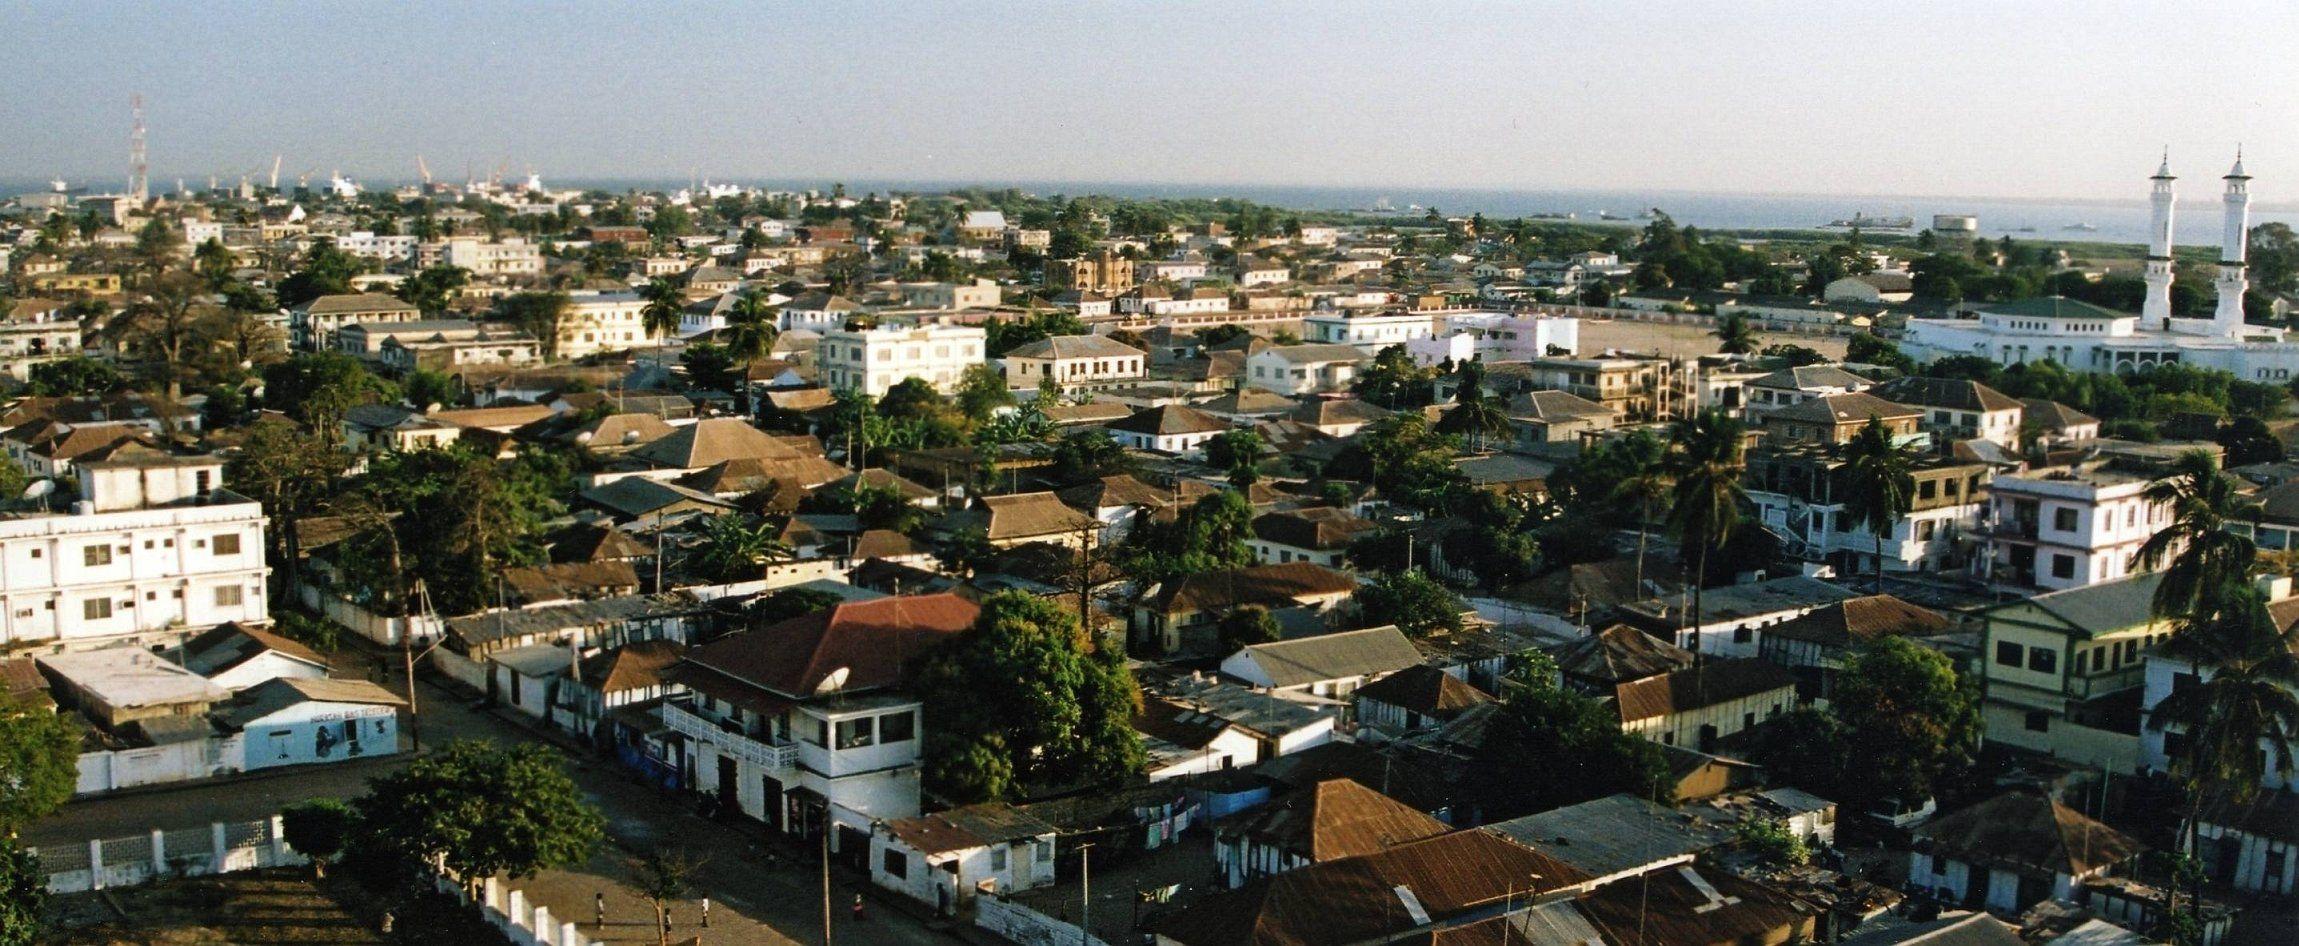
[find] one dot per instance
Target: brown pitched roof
(1321, 528)
(1023, 515)
(1950, 393)
(1169, 419)
(1123, 489)
(1339, 818)
(1328, 412)
(2027, 830)
(1667, 908)
(594, 579)
(1425, 690)
(1853, 408)
(870, 640)
(1719, 681)
(713, 441)
(1274, 586)
(885, 543)
(2052, 414)
(1860, 619)
(966, 828)
(1619, 654)
(633, 666)
(1357, 899)
(589, 543)
(745, 474)
(231, 643)
(1171, 722)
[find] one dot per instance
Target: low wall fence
(220, 848)
(523, 923)
(1026, 927)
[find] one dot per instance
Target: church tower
(2234, 241)
(2155, 313)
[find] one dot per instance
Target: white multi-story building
(157, 548)
(873, 360)
(367, 245)
(483, 258)
(1076, 362)
(2066, 528)
(2084, 337)
(979, 294)
(1305, 369)
(1498, 336)
(1370, 332)
(605, 321)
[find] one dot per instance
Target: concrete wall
(219, 848)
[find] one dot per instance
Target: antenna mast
(139, 171)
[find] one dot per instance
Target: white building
(367, 245)
(1371, 332)
(945, 858)
(2084, 337)
(1076, 362)
(1305, 369)
(602, 321)
(873, 360)
(483, 258)
(157, 548)
(2066, 528)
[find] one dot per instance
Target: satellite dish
(832, 682)
(39, 488)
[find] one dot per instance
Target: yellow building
(2063, 671)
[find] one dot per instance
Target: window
(2041, 660)
(227, 544)
(857, 733)
(896, 864)
(2010, 654)
(2039, 721)
(1919, 865)
(998, 857)
(2063, 566)
(2063, 520)
(96, 609)
(897, 727)
(230, 596)
(95, 555)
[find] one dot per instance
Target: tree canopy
(480, 810)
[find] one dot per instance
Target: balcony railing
(2094, 686)
(770, 756)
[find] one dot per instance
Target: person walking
(858, 907)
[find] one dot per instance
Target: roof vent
(1412, 904)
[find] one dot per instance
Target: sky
(2037, 99)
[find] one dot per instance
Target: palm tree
(664, 302)
(1878, 485)
(735, 546)
(1706, 459)
(750, 328)
(2204, 557)
(2241, 721)
(1734, 336)
(1475, 414)
(1646, 488)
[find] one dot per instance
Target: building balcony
(2012, 529)
(776, 758)
(2094, 686)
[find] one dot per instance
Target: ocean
(2119, 221)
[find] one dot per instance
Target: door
(728, 795)
(770, 802)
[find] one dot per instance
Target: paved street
(757, 897)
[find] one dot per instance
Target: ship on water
(1865, 222)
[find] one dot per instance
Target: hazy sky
(2028, 99)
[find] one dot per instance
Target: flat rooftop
(127, 677)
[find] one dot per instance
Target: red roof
(871, 640)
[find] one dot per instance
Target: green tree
(77, 375)
(1089, 454)
(1914, 720)
(1879, 485)
(736, 547)
(1582, 751)
(2241, 719)
(431, 289)
(1645, 488)
(750, 326)
(318, 388)
(39, 763)
(711, 367)
(786, 603)
(291, 472)
(1772, 842)
(480, 810)
(1209, 536)
(1026, 691)
(1806, 748)
(320, 829)
(664, 301)
(1237, 451)
(424, 388)
(1863, 348)
(1705, 458)
(981, 392)
(2197, 552)
(23, 895)
(539, 314)
(1476, 415)
(1251, 624)
(1413, 601)
(663, 877)
(1394, 381)
(326, 271)
(1734, 335)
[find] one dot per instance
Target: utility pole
(407, 651)
(826, 877)
(1085, 895)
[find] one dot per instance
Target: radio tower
(139, 172)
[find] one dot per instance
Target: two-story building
(2067, 527)
(315, 323)
(1305, 369)
(1075, 362)
(1370, 331)
(1956, 409)
(604, 321)
(802, 723)
(2062, 671)
(874, 359)
(1834, 419)
(1801, 492)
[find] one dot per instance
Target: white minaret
(2234, 240)
(2155, 313)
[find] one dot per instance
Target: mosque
(2085, 337)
